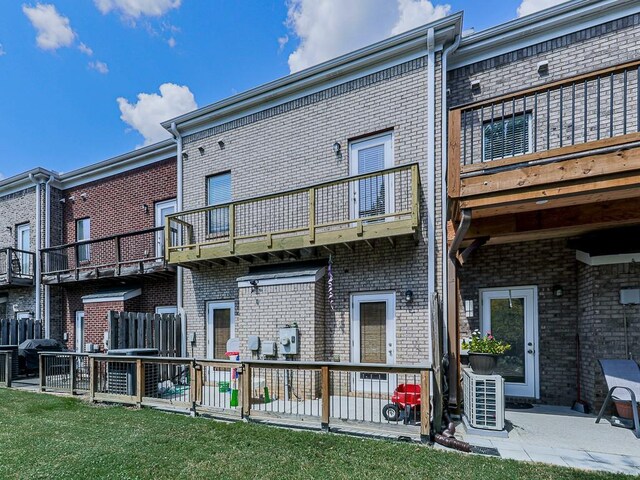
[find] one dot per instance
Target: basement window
(506, 137)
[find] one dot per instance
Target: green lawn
(43, 436)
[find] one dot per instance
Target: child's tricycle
(405, 398)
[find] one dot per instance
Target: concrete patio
(560, 436)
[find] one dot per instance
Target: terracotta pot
(624, 408)
(483, 363)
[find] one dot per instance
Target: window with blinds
(221, 332)
(373, 332)
(219, 192)
(506, 137)
(83, 232)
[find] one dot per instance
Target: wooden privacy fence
(6, 360)
(331, 396)
(146, 330)
(15, 331)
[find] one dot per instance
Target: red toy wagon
(405, 398)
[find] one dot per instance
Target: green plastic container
(234, 398)
(223, 387)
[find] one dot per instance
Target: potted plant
(484, 352)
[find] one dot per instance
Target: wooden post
(453, 335)
(232, 227)
(9, 265)
(118, 255)
(453, 155)
(139, 381)
(193, 387)
(246, 390)
(8, 368)
(167, 240)
(72, 373)
(93, 381)
(42, 372)
(425, 404)
(415, 196)
(312, 215)
(326, 397)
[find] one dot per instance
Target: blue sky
(65, 63)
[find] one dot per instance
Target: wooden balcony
(555, 160)
(364, 208)
(114, 257)
(16, 267)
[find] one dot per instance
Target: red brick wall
(155, 293)
(116, 204)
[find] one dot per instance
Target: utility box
(269, 349)
(288, 341)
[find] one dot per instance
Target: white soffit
(596, 260)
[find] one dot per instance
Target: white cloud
(85, 49)
(149, 110)
(54, 30)
(329, 28)
(171, 42)
(282, 42)
(137, 8)
(528, 7)
(2, 50)
(99, 67)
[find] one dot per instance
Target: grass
(44, 436)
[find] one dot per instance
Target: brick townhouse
(543, 186)
(310, 203)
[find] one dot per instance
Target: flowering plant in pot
(484, 352)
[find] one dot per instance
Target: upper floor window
(83, 232)
(219, 193)
(506, 137)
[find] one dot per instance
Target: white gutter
(431, 174)
(36, 267)
(179, 271)
(443, 190)
(47, 244)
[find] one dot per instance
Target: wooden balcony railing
(381, 204)
(594, 113)
(127, 254)
(16, 267)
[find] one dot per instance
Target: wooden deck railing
(571, 117)
(131, 253)
(363, 207)
(317, 394)
(16, 267)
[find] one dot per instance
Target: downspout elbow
(462, 230)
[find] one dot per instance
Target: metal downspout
(179, 270)
(443, 190)
(431, 176)
(36, 266)
(47, 244)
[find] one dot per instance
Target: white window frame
(79, 326)
(170, 309)
(21, 229)
(218, 228)
(219, 305)
(86, 248)
(529, 117)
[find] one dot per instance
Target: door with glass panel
(163, 209)
(510, 314)
(219, 193)
(373, 339)
(372, 196)
(79, 336)
(22, 268)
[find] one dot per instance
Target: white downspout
(179, 279)
(431, 174)
(36, 267)
(47, 244)
(444, 199)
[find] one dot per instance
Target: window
(506, 137)
(83, 232)
(21, 263)
(219, 193)
(163, 209)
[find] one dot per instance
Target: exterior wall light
(408, 296)
(558, 291)
(337, 148)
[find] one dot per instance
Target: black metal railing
(579, 110)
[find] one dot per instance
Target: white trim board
(596, 260)
(113, 298)
(284, 280)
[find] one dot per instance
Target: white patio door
(511, 314)
(373, 339)
(79, 336)
(23, 242)
(372, 196)
(162, 210)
